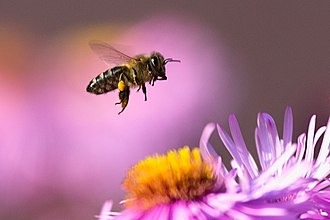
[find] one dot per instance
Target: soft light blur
(67, 144)
(63, 151)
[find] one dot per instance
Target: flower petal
(323, 170)
(263, 211)
(244, 154)
(287, 127)
(310, 139)
(210, 156)
(206, 150)
(267, 140)
(301, 147)
(180, 211)
(160, 212)
(230, 183)
(105, 211)
(325, 146)
(130, 214)
(269, 172)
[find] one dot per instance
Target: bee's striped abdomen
(105, 82)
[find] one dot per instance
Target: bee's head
(157, 65)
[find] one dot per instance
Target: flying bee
(133, 72)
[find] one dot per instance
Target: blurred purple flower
(290, 185)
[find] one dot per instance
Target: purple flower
(172, 186)
(290, 184)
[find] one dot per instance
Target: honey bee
(128, 72)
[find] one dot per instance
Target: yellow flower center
(161, 179)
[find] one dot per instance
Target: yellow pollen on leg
(161, 179)
(121, 85)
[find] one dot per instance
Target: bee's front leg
(123, 97)
(161, 78)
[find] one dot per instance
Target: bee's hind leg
(123, 97)
(144, 90)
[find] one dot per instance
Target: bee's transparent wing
(109, 54)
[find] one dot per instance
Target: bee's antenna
(167, 60)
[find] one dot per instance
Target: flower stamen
(161, 179)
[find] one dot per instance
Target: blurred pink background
(63, 151)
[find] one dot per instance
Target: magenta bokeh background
(63, 151)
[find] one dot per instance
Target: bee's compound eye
(154, 61)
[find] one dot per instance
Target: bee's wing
(109, 54)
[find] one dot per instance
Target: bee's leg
(137, 81)
(124, 97)
(120, 78)
(144, 89)
(152, 81)
(123, 71)
(121, 85)
(161, 78)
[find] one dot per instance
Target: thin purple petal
(160, 212)
(203, 211)
(301, 147)
(210, 156)
(229, 180)
(130, 214)
(237, 214)
(244, 154)
(325, 146)
(264, 211)
(323, 170)
(266, 140)
(287, 127)
(180, 211)
(105, 211)
(229, 144)
(310, 139)
(269, 172)
(206, 150)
